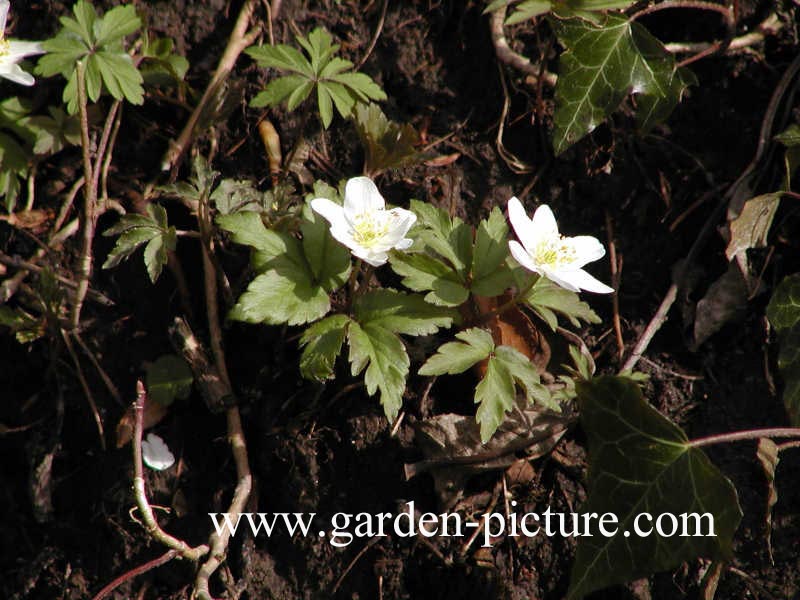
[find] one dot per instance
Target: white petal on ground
(156, 454)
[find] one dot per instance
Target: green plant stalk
(90, 203)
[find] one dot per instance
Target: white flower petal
(4, 6)
(361, 195)
(18, 49)
(334, 214)
(586, 248)
(404, 244)
(522, 257)
(156, 454)
(562, 279)
(581, 279)
(13, 72)
(544, 223)
(371, 256)
(521, 223)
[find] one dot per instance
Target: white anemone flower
(546, 252)
(156, 454)
(363, 224)
(13, 51)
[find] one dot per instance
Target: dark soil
(313, 449)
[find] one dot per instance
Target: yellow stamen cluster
(367, 231)
(554, 252)
(4, 46)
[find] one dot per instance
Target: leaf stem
(750, 434)
(90, 202)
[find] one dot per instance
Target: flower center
(554, 252)
(4, 46)
(368, 231)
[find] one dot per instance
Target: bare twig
(86, 389)
(615, 281)
(506, 55)
(375, 36)
(145, 510)
(135, 572)
(239, 40)
(750, 434)
(769, 26)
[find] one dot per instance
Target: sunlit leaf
(384, 357)
(602, 62)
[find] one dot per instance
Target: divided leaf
(495, 393)
(490, 277)
(424, 273)
(456, 357)
(387, 145)
(98, 43)
(135, 230)
(402, 313)
(332, 77)
(641, 462)
(603, 61)
(322, 343)
(547, 298)
(285, 291)
(384, 356)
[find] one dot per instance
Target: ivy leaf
(603, 61)
(783, 313)
(387, 145)
(456, 357)
(322, 343)
(332, 77)
(424, 273)
(169, 377)
(383, 355)
(398, 312)
(641, 462)
(489, 275)
(135, 230)
(547, 298)
(329, 260)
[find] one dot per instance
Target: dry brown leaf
(767, 454)
(514, 328)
